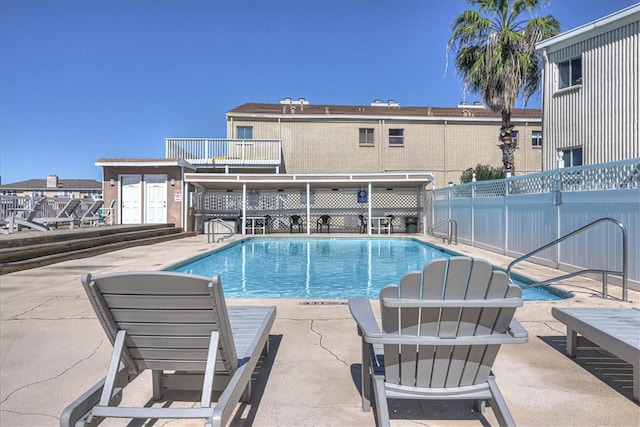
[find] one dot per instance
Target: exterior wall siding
(601, 115)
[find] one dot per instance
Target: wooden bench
(616, 330)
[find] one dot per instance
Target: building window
(244, 132)
(366, 136)
(572, 157)
(536, 138)
(396, 136)
(570, 73)
(514, 137)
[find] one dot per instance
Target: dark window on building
(572, 157)
(514, 137)
(536, 138)
(396, 136)
(570, 73)
(366, 136)
(244, 132)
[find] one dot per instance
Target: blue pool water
(317, 268)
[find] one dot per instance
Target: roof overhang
(217, 181)
(144, 163)
(437, 119)
(591, 29)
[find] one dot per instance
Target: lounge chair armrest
(516, 330)
(363, 315)
(492, 339)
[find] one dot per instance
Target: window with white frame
(244, 132)
(514, 137)
(366, 136)
(570, 73)
(396, 136)
(572, 157)
(536, 138)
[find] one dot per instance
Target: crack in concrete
(64, 371)
(36, 414)
(32, 308)
(561, 332)
(323, 346)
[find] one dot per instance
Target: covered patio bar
(265, 203)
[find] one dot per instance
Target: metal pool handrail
(211, 234)
(453, 228)
(605, 273)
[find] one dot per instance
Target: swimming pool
(326, 268)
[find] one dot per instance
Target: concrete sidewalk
(52, 349)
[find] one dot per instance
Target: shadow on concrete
(610, 369)
(246, 412)
(423, 410)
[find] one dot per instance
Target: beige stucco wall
(444, 147)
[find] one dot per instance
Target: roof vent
(289, 101)
(389, 103)
(476, 104)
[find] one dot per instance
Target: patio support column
(308, 208)
(370, 211)
(244, 208)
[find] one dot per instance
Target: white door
(155, 199)
(131, 199)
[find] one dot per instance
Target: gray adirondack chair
(440, 334)
(179, 326)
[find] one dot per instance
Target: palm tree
(495, 53)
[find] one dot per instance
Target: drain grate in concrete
(323, 303)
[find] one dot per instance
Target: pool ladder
(211, 234)
(605, 273)
(453, 229)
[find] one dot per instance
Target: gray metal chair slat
(164, 316)
(196, 302)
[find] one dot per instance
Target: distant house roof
(380, 109)
(62, 184)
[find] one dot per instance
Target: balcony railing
(225, 152)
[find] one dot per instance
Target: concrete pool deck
(52, 349)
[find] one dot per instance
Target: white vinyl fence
(517, 215)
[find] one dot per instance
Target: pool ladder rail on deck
(604, 273)
(211, 234)
(453, 230)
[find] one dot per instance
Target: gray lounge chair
(440, 334)
(66, 215)
(616, 330)
(92, 216)
(25, 218)
(179, 326)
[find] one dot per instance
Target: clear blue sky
(86, 79)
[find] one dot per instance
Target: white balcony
(226, 152)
